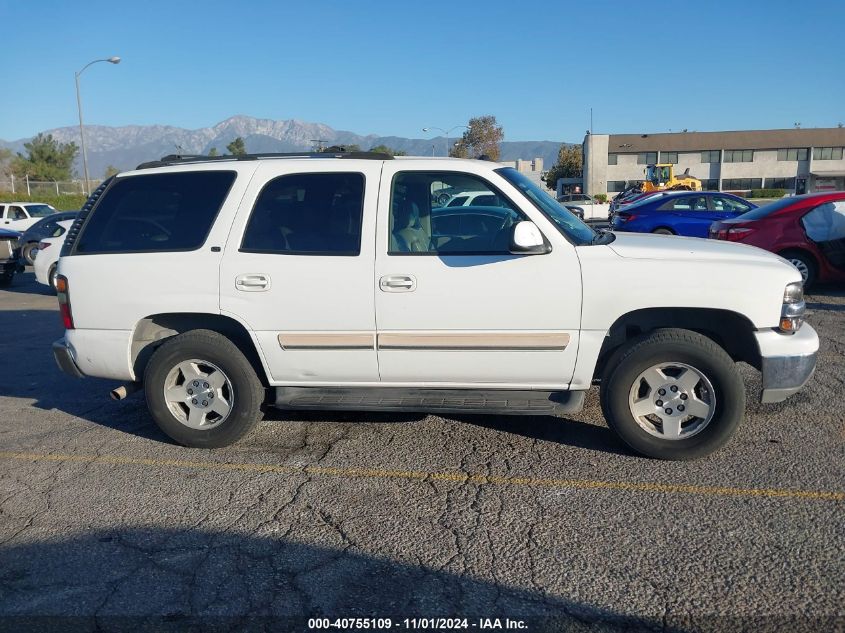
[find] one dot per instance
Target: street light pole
(445, 133)
(111, 60)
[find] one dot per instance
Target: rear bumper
(788, 361)
(63, 354)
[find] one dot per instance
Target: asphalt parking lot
(342, 515)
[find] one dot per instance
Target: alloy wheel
(199, 394)
(672, 401)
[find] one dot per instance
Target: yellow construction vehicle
(661, 177)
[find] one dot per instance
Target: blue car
(687, 213)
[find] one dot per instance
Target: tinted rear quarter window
(308, 214)
(156, 212)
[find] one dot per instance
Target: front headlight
(793, 308)
(794, 293)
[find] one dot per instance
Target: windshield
(766, 209)
(40, 210)
(657, 174)
(573, 228)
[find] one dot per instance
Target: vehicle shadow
(156, 579)
(549, 428)
(829, 307)
(826, 290)
(31, 374)
(25, 283)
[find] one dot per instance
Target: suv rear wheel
(673, 394)
(202, 391)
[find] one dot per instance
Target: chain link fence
(25, 186)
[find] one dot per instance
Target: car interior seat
(409, 235)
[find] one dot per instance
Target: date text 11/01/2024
(416, 623)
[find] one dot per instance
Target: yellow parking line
(376, 473)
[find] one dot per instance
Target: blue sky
(393, 67)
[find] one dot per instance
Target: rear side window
(156, 212)
(308, 214)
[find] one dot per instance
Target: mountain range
(125, 147)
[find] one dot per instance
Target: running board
(500, 401)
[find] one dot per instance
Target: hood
(673, 247)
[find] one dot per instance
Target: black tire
(812, 269)
(664, 231)
(247, 391)
(681, 346)
(27, 250)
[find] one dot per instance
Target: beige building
(531, 168)
(798, 160)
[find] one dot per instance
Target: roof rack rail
(178, 159)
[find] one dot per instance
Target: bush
(767, 193)
(601, 198)
(63, 202)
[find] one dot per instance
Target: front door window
(481, 225)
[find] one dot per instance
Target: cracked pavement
(106, 522)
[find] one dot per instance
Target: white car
(474, 199)
(19, 216)
(592, 208)
(47, 256)
(314, 282)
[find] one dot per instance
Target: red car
(807, 230)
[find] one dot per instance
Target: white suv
(330, 282)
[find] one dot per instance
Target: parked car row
(585, 206)
(688, 213)
(9, 256)
(808, 230)
(19, 216)
(49, 249)
(43, 228)
(24, 228)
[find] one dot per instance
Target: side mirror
(527, 239)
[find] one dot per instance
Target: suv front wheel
(673, 394)
(202, 391)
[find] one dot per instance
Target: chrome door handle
(398, 283)
(253, 282)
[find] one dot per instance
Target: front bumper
(64, 359)
(788, 361)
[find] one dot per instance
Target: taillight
(43, 245)
(737, 234)
(63, 295)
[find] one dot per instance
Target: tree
(5, 161)
(237, 147)
(569, 165)
(384, 149)
(212, 151)
(482, 138)
(334, 149)
(46, 159)
(111, 170)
